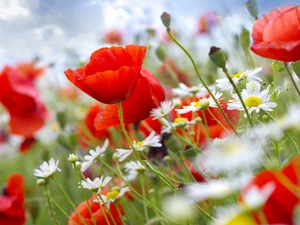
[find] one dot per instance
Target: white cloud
(11, 9)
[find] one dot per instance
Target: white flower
(122, 154)
(201, 104)
(47, 169)
(93, 154)
(179, 122)
(178, 208)
(95, 185)
(254, 99)
(256, 197)
(215, 189)
(184, 91)
(165, 108)
(225, 85)
(133, 168)
(111, 196)
(230, 156)
(150, 141)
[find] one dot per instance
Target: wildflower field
(151, 128)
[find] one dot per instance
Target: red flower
(279, 207)
(21, 98)
(147, 95)
(26, 144)
(276, 35)
(111, 75)
(12, 211)
(88, 126)
(113, 37)
(97, 211)
(148, 125)
(29, 70)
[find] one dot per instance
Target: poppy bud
(166, 19)
(252, 8)
(296, 68)
(217, 56)
(173, 143)
(245, 39)
(160, 53)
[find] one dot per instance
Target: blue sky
(49, 28)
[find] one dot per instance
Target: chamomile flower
(203, 103)
(183, 91)
(216, 189)
(256, 197)
(230, 156)
(111, 196)
(254, 99)
(47, 169)
(180, 122)
(250, 75)
(133, 168)
(151, 141)
(93, 154)
(95, 185)
(165, 108)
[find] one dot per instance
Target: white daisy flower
(133, 168)
(254, 99)
(165, 108)
(251, 75)
(122, 154)
(93, 154)
(111, 196)
(47, 169)
(183, 91)
(216, 189)
(201, 104)
(230, 156)
(255, 197)
(95, 185)
(150, 141)
(180, 122)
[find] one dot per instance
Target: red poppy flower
(113, 37)
(148, 125)
(276, 35)
(26, 144)
(111, 75)
(88, 123)
(98, 213)
(147, 95)
(279, 207)
(12, 211)
(21, 98)
(30, 70)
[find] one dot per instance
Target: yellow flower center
(180, 120)
(238, 75)
(112, 195)
(253, 101)
(55, 127)
(139, 144)
(197, 104)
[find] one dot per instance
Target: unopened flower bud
(41, 181)
(266, 118)
(173, 143)
(198, 120)
(166, 19)
(167, 159)
(151, 191)
(115, 156)
(73, 158)
(252, 8)
(160, 53)
(78, 165)
(217, 56)
(115, 188)
(245, 39)
(296, 68)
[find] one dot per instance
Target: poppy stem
(49, 201)
(238, 94)
(291, 77)
(206, 124)
(201, 79)
(144, 195)
(218, 121)
(84, 194)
